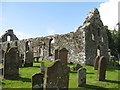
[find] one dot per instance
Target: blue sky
(36, 19)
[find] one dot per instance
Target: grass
(24, 81)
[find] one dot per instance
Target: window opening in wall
(93, 37)
(98, 31)
(98, 51)
(102, 39)
(8, 38)
(50, 54)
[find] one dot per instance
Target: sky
(36, 19)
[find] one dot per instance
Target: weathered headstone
(57, 75)
(81, 77)
(11, 63)
(37, 81)
(63, 54)
(102, 68)
(96, 61)
(28, 59)
(42, 67)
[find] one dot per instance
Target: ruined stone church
(83, 45)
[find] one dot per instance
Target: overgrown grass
(24, 81)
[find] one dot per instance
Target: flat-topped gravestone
(81, 77)
(102, 68)
(96, 61)
(37, 81)
(57, 75)
(28, 59)
(63, 54)
(11, 63)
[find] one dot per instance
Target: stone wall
(82, 45)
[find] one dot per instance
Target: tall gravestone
(96, 61)
(57, 75)
(28, 56)
(81, 77)
(63, 54)
(56, 54)
(42, 67)
(11, 63)
(28, 59)
(37, 81)
(102, 68)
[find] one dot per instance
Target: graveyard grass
(24, 81)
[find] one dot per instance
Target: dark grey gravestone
(37, 81)
(63, 54)
(28, 59)
(11, 63)
(81, 77)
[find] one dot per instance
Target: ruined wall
(96, 41)
(82, 45)
(73, 42)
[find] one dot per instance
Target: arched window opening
(93, 37)
(98, 51)
(102, 39)
(8, 38)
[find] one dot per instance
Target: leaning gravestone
(57, 75)
(102, 68)
(37, 81)
(63, 54)
(28, 59)
(96, 61)
(81, 77)
(11, 63)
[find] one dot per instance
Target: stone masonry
(83, 45)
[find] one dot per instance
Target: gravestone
(57, 75)
(96, 61)
(21, 60)
(11, 63)
(37, 81)
(81, 77)
(56, 54)
(102, 68)
(42, 67)
(77, 67)
(28, 62)
(63, 54)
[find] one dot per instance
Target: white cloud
(51, 31)
(22, 35)
(109, 13)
